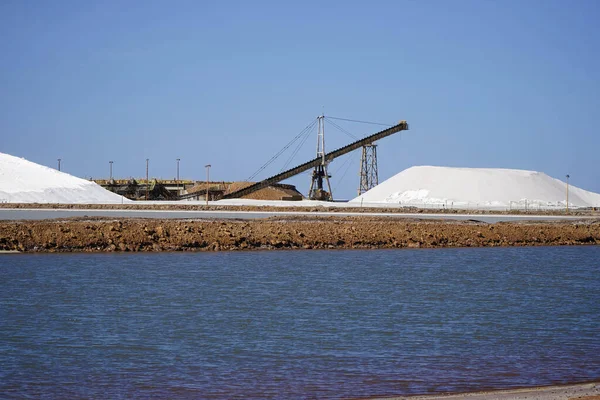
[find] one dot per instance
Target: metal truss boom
(401, 126)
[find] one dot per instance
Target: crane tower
(316, 191)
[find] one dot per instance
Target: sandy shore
(584, 391)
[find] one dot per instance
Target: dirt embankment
(282, 233)
(182, 206)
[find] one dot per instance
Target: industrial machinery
(369, 177)
(138, 189)
(319, 164)
(316, 191)
(320, 187)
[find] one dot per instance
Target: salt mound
(23, 181)
(491, 188)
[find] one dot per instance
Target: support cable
(348, 161)
(361, 122)
(307, 134)
(287, 146)
(341, 129)
(342, 165)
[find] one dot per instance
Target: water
(297, 324)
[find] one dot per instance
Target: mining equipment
(320, 163)
(192, 190)
(316, 191)
(320, 186)
(136, 189)
(369, 177)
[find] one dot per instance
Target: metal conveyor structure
(401, 126)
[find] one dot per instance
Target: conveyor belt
(402, 126)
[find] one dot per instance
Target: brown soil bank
(282, 233)
(182, 206)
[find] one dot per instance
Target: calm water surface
(297, 324)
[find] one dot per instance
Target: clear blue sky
(511, 84)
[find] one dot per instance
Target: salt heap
(23, 181)
(485, 188)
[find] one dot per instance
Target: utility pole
(568, 176)
(110, 163)
(59, 160)
(179, 159)
(147, 182)
(207, 166)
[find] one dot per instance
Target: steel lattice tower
(316, 191)
(369, 177)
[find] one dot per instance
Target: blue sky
(512, 84)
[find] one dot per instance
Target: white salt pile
(23, 181)
(484, 188)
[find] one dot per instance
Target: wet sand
(584, 391)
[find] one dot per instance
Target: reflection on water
(297, 324)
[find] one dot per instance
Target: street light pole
(147, 183)
(59, 160)
(207, 166)
(178, 176)
(111, 163)
(568, 192)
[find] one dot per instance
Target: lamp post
(568, 176)
(179, 159)
(147, 183)
(59, 160)
(207, 166)
(110, 163)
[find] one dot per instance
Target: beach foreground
(584, 391)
